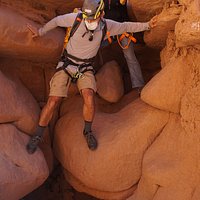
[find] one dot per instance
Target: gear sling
(65, 58)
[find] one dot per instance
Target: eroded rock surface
(190, 20)
(166, 22)
(20, 173)
(148, 148)
(116, 150)
(144, 10)
(109, 82)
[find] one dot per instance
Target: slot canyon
(149, 147)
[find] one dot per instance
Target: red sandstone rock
(170, 84)
(109, 82)
(120, 150)
(156, 38)
(17, 105)
(187, 29)
(145, 10)
(42, 11)
(20, 173)
(169, 52)
(17, 42)
(170, 169)
(31, 75)
(190, 112)
(134, 154)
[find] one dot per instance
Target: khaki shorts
(60, 82)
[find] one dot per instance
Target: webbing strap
(76, 24)
(89, 60)
(77, 75)
(81, 68)
(104, 31)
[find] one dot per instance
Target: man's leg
(88, 107)
(87, 87)
(133, 65)
(59, 86)
(88, 115)
(45, 117)
(48, 110)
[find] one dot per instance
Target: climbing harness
(78, 69)
(130, 38)
(66, 58)
(115, 4)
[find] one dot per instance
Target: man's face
(92, 24)
(93, 20)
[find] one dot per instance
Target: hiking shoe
(90, 139)
(33, 143)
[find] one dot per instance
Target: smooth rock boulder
(145, 150)
(109, 82)
(17, 41)
(17, 105)
(171, 165)
(145, 10)
(170, 84)
(43, 11)
(31, 74)
(20, 172)
(123, 138)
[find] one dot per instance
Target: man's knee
(53, 101)
(88, 96)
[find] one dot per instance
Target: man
(116, 10)
(81, 48)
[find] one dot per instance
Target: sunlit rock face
(148, 147)
(166, 22)
(144, 10)
(190, 20)
(115, 143)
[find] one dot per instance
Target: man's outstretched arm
(116, 28)
(66, 20)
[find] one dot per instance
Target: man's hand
(153, 21)
(33, 30)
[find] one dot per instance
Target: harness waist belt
(81, 68)
(89, 60)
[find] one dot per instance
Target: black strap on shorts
(66, 54)
(82, 68)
